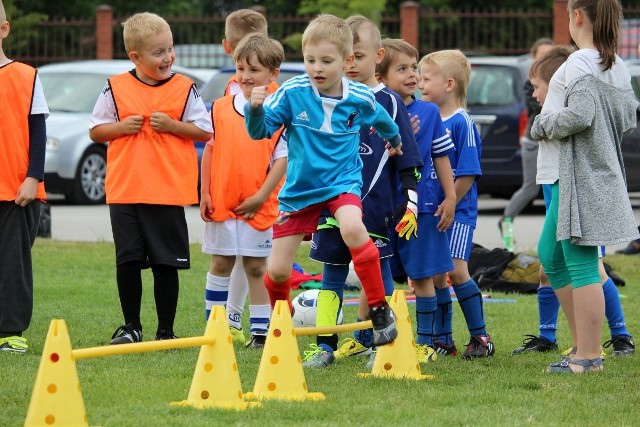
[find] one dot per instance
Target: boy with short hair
(444, 77)
(23, 137)
(238, 25)
(323, 112)
(427, 255)
(381, 176)
(239, 183)
(151, 117)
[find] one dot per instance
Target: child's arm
(109, 131)
(463, 184)
(447, 209)
(252, 204)
(206, 206)
(37, 148)
(386, 128)
(161, 122)
(258, 124)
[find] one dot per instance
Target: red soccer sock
(366, 263)
(278, 291)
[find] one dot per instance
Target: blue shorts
(428, 255)
(328, 247)
(461, 240)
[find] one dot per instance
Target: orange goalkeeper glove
(408, 225)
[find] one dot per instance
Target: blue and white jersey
(465, 161)
(323, 135)
(433, 141)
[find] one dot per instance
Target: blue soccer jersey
(323, 136)
(433, 141)
(465, 161)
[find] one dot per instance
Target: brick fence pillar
(104, 32)
(409, 22)
(561, 23)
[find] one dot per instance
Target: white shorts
(235, 237)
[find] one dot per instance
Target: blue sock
(425, 313)
(333, 278)
(363, 336)
(613, 309)
(387, 278)
(325, 347)
(548, 307)
(470, 300)
(443, 328)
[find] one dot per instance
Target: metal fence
(500, 33)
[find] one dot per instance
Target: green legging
(565, 263)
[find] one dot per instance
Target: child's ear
(349, 60)
(451, 84)
(227, 47)
(134, 57)
(274, 74)
(5, 28)
(379, 55)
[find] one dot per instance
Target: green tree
(23, 30)
(343, 8)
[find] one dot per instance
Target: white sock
(259, 321)
(238, 291)
(216, 292)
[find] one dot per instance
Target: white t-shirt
(579, 63)
(39, 105)
(195, 111)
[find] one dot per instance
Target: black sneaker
(257, 341)
(384, 324)
(623, 345)
(445, 349)
(479, 346)
(126, 335)
(164, 334)
(534, 343)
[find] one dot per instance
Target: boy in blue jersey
(427, 255)
(323, 112)
(381, 177)
(444, 76)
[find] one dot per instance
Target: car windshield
(491, 85)
(75, 93)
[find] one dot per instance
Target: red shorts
(305, 221)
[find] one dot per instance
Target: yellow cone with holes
(280, 375)
(398, 359)
(57, 397)
(216, 381)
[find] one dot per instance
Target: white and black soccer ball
(305, 307)
(352, 281)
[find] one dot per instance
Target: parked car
(74, 165)
(631, 142)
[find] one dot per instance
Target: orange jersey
(239, 167)
(151, 167)
(16, 97)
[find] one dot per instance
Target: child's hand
(27, 192)
(446, 212)
(249, 206)
(394, 151)
(132, 125)
(415, 123)
(161, 122)
(258, 95)
(206, 207)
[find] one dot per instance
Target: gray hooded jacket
(594, 207)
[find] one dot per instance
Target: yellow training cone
(398, 359)
(57, 397)
(216, 381)
(280, 375)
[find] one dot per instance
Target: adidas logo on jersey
(303, 116)
(379, 243)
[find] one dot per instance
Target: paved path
(91, 223)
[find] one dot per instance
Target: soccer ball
(305, 307)
(352, 281)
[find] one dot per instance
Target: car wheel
(88, 187)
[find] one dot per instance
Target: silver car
(74, 165)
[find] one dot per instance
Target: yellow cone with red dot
(280, 374)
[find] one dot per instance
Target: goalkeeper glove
(408, 225)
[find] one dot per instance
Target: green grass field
(76, 282)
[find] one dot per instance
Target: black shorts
(328, 247)
(151, 234)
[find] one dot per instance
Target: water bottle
(507, 234)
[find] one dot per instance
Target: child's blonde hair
(141, 26)
(393, 48)
(242, 23)
(545, 66)
(360, 22)
(330, 29)
(268, 52)
(453, 64)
